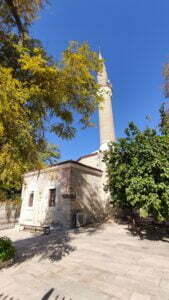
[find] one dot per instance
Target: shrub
(7, 251)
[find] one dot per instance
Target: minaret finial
(100, 53)
(102, 77)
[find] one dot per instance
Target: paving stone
(107, 264)
(160, 296)
(111, 289)
(137, 296)
(164, 284)
(153, 279)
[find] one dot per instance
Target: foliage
(39, 95)
(10, 195)
(7, 250)
(50, 154)
(138, 172)
(164, 119)
(10, 54)
(19, 14)
(166, 78)
(17, 130)
(164, 109)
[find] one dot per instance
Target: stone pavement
(93, 264)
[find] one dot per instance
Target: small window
(52, 196)
(31, 196)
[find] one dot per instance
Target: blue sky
(134, 39)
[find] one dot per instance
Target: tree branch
(15, 14)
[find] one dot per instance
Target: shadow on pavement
(150, 232)
(53, 246)
(92, 229)
(57, 297)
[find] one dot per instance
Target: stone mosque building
(71, 193)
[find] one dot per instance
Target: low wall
(9, 215)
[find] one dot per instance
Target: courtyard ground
(93, 264)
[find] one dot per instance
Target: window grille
(52, 196)
(31, 197)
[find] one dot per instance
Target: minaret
(106, 120)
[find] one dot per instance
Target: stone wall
(91, 160)
(78, 189)
(86, 184)
(40, 183)
(96, 160)
(9, 214)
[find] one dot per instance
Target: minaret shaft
(106, 119)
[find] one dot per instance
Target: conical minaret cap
(102, 77)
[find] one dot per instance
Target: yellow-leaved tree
(41, 93)
(19, 14)
(38, 94)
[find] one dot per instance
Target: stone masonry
(77, 190)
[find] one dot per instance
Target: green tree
(49, 155)
(138, 172)
(164, 109)
(164, 119)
